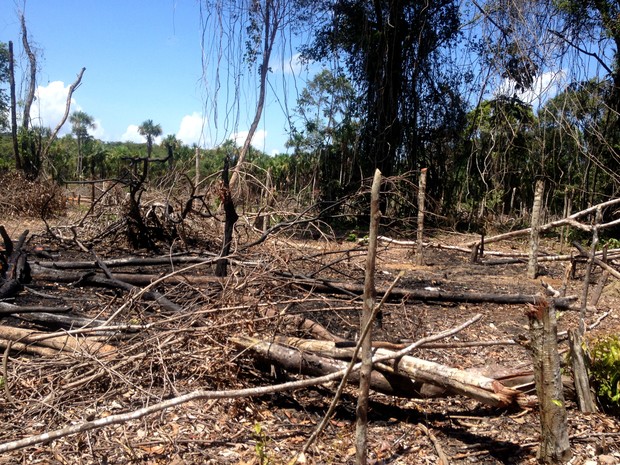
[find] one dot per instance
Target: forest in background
(449, 86)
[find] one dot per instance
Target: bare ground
(182, 352)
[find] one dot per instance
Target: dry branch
(7, 309)
(300, 362)
(322, 285)
(61, 342)
(481, 388)
(570, 220)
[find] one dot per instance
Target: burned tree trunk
(229, 224)
(14, 267)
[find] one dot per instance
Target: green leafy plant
(605, 370)
(261, 444)
(611, 243)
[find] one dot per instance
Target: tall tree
(81, 122)
(326, 133)
(393, 53)
(150, 130)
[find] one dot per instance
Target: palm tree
(80, 123)
(149, 130)
(172, 145)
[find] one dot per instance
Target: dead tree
(361, 431)
(138, 233)
(14, 267)
(554, 445)
(229, 222)
(18, 159)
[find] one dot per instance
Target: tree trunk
(532, 266)
(361, 433)
(554, 446)
(16, 154)
(271, 22)
(419, 259)
(32, 59)
(229, 224)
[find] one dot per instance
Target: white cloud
(132, 135)
(258, 140)
(98, 132)
(49, 105)
(294, 65)
(191, 129)
(545, 87)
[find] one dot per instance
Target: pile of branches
(22, 197)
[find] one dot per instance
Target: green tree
(501, 139)
(394, 54)
(81, 122)
(325, 109)
(149, 130)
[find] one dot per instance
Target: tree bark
(532, 266)
(32, 82)
(554, 446)
(361, 432)
(335, 287)
(16, 154)
(419, 258)
(229, 224)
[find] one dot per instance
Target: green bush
(605, 370)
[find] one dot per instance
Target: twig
(443, 458)
(5, 361)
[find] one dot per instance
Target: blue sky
(143, 60)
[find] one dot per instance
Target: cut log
(303, 363)
(93, 279)
(7, 309)
(481, 388)
(62, 342)
(124, 262)
(63, 321)
(425, 295)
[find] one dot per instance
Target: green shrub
(605, 370)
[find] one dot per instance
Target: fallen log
(302, 363)
(123, 262)
(93, 279)
(64, 275)
(305, 324)
(61, 342)
(615, 273)
(568, 221)
(323, 285)
(422, 372)
(64, 321)
(7, 309)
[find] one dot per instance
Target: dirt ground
(178, 353)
